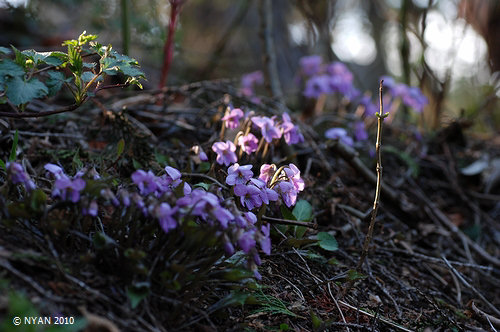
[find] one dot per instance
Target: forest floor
(433, 264)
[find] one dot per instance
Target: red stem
(168, 48)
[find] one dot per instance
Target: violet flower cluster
(326, 79)
(157, 197)
(270, 128)
(410, 95)
(249, 81)
(271, 185)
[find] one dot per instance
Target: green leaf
(37, 200)
(87, 76)
(55, 81)
(42, 57)
(9, 68)
(102, 241)
(237, 275)
(13, 149)
(327, 241)
(297, 243)
(286, 213)
(2, 164)
(316, 321)
(354, 275)
(120, 147)
(302, 211)
(20, 91)
(203, 185)
(20, 58)
(203, 167)
(136, 164)
(284, 327)
(138, 292)
(5, 50)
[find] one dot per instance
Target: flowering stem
(380, 119)
(275, 177)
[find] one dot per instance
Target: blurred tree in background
(446, 47)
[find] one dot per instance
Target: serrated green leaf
(87, 76)
(302, 211)
(42, 57)
(327, 241)
(9, 68)
(20, 58)
(53, 61)
(20, 91)
(55, 81)
(13, 150)
(90, 65)
(5, 50)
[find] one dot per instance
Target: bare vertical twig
(269, 53)
(380, 119)
(168, 48)
(125, 26)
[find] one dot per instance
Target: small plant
(33, 75)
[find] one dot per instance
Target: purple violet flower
(266, 172)
(339, 134)
(267, 128)
(165, 213)
(251, 79)
(370, 108)
(293, 174)
(125, 196)
(92, 211)
(65, 185)
(317, 86)
(291, 132)
(246, 242)
(414, 98)
(107, 194)
(248, 143)
(17, 175)
(225, 152)
(249, 195)
(228, 248)
(232, 119)
(266, 194)
(287, 192)
(55, 170)
(238, 174)
(146, 182)
(360, 131)
(265, 241)
(310, 65)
